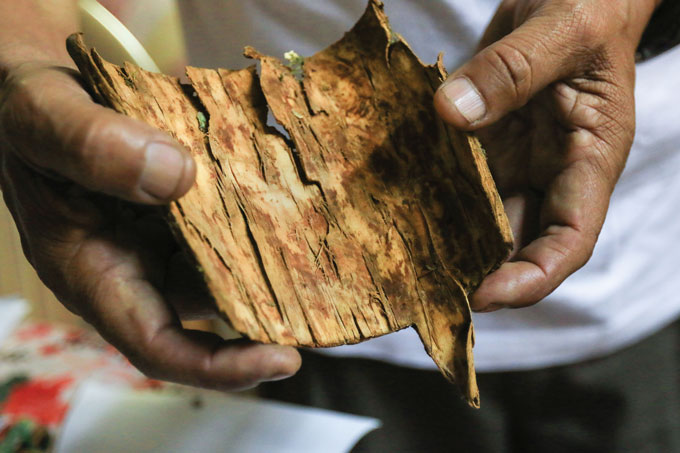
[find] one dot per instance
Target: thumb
(506, 75)
(50, 122)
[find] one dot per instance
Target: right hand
(63, 160)
(551, 94)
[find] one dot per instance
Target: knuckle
(240, 377)
(240, 382)
(591, 239)
(204, 368)
(615, 140)
(84, 149)
(16, 104)
(512, 67)
(143, 358)
(107, 152)
(604, 164)
(44, 120)
(11, 87)
(581, 253)
(92, 164)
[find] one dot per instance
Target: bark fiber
(372, 217)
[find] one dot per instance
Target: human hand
(114, 263)
(551, 96)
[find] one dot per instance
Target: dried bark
(373, 217)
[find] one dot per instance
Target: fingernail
(284, 363)
(278, 377)
(464, 96)
(493, 307)
(486, 309)
(163, 170)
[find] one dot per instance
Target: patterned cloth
(41, 366)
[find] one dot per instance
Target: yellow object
(111, 38)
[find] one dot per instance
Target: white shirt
(629, 288)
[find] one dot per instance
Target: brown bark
(373, 217)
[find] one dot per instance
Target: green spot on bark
(295, 63)
(202, 122)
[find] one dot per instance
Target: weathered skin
(373, 217)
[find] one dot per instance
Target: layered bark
(372, 217)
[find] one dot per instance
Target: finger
(132, 315)
(186, 290)
(49, 121)
(505, 75)
(501, 24)
(182, 284)
(9, 196)
(102, 274)
(522, 209)
(573, 212)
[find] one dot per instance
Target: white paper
(12, 312)
(103, 419)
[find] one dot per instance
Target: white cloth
(628, 289)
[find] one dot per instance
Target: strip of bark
(377, 217)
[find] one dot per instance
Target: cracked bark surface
(374, 216)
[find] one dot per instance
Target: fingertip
(514, 284)
(169, 172)
(460, 103)
(242, 364)
(286, 361)
(272, 362)
(492, 308)
(188, 176)
(487, 294)
(478, 302)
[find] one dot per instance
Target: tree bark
(372, 217)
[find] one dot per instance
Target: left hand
(552, 97)
(69, 169)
